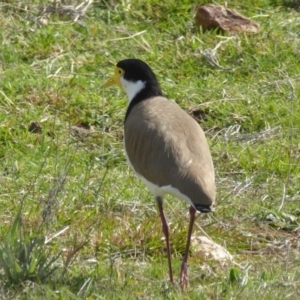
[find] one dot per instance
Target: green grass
(89, 228)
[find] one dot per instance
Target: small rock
(211, 17)
(80, 132)
(35, 127)
(209, 250)
(43, 21)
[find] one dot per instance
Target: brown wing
(167, 147)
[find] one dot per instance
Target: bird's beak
(109, 82)
(115, 79)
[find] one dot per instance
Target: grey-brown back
(167, 147)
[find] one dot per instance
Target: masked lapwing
(165, 147)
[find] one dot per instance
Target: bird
(166, 148)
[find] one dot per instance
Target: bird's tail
(204, 208)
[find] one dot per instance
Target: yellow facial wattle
(115, 79)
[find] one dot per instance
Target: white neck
(132, 88)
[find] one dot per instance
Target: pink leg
(184, 275)
(166, 231)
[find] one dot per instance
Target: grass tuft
(26, 258)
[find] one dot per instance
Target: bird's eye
(120, 71)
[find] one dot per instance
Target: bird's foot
(184, 277)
